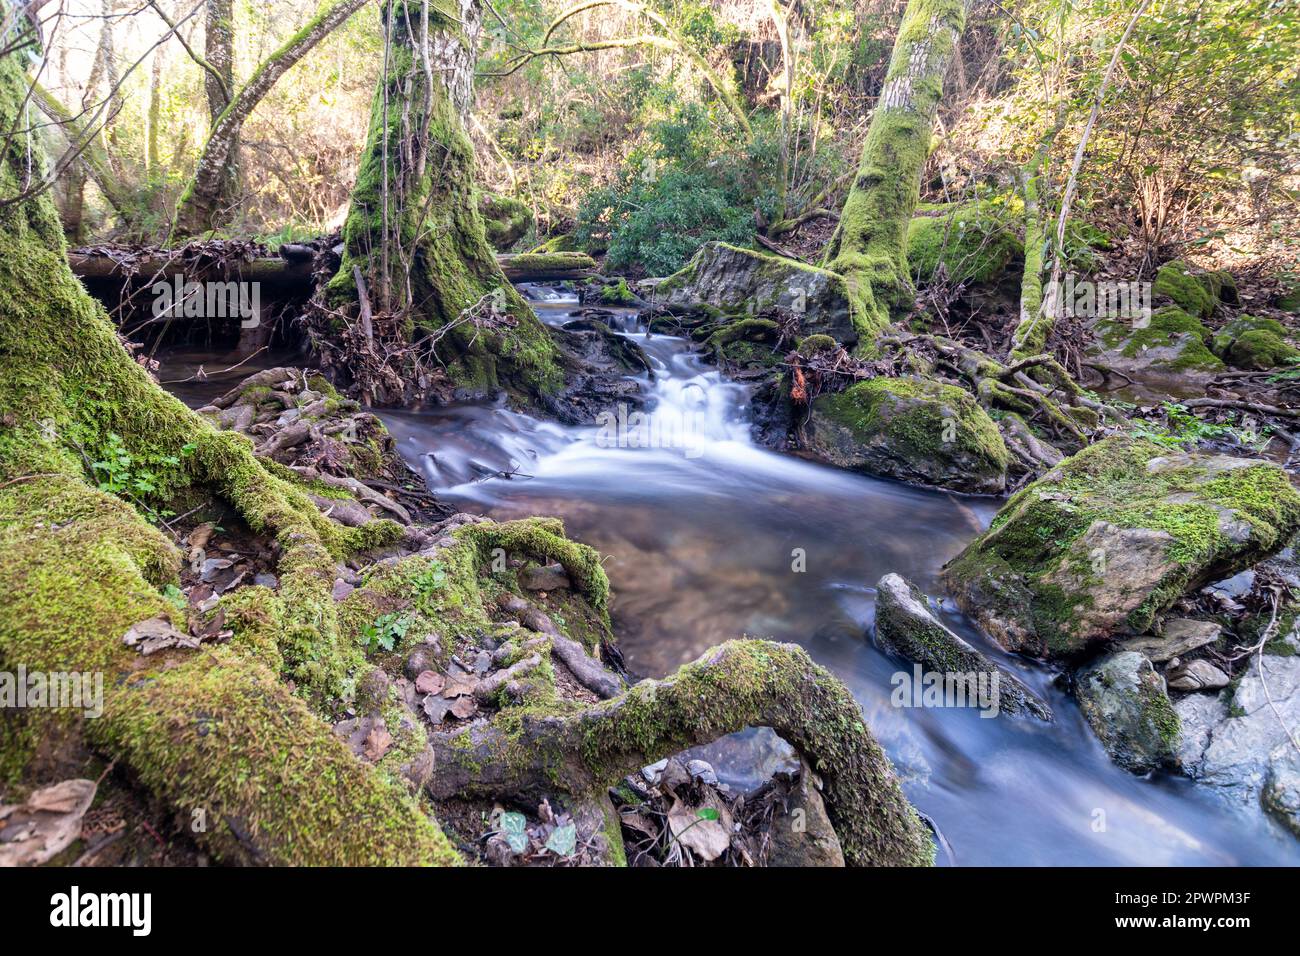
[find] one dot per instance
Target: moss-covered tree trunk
(414, 234)
(869, 247)
(82, 566)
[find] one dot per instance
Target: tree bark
(219, 51)
(869, 248)
(200, 205)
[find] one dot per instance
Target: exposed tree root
(739, 684)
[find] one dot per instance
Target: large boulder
(916, 430)
(742, 282)
(906, 627)
(1172, 342)
(1112, 536)
(1125, 702)
(1239, 744)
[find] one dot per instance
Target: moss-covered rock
(742, 282)
(905, 626)
(1173, 342)
(505, 220)
(916, 430)
(1113, 535)
(1196, 293)
(975, 242)
(1254, 343)
(1125, 703)
(618, 293)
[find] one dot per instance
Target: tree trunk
(90, 154)
(869, 247)
(414, 232)
(219, 51)
(200, 204)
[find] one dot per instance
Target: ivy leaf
(563, 840)
(515, 827)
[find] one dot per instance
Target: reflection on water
(737, 540)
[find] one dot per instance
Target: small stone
(1197, 675)
(420, 659)
(702, 771)
(266, 580)
(653, 772)
(1180, 636)
(1237, 586)
(482, 663)
(341, 589)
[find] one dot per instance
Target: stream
(709, 536)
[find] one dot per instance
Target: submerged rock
(1240, 746)
(1113, 535)
(905, 626)
(1125, 703)
(739, 281)
(916, 430)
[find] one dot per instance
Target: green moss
(974, 242)
(617, 294)
(505, 219)
(1259, 349)
(918, 415)
(1194, 293)
(1169, 328)
(1033, 567)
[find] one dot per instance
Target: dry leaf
(705, 830)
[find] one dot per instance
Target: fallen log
(295, 272)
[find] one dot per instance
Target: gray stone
(1179, 637)
(745, 282)
(1124, 701)
(1242, 749)
(1281, 794)
(702, 771)
(1196, 675)
(803, 835)
(1237, 586)
(546, 577)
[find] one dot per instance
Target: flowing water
(710, 537)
